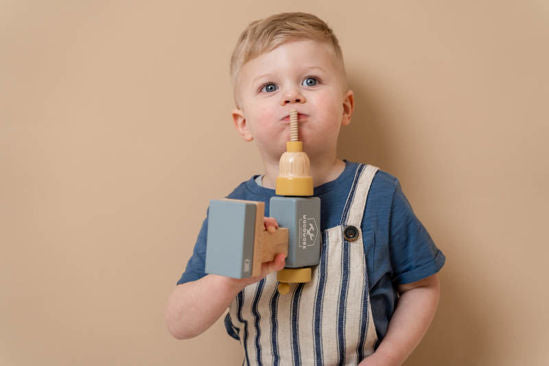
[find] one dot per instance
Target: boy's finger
(280, 261)
(275, 265)
(270, 222)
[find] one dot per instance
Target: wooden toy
(294, 187)
(237, 242)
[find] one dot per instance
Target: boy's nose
(292, 96)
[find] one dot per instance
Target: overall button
(350, 233)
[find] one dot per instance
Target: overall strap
(356, 200)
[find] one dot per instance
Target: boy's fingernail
(271, 229)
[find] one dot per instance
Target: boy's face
(304, 75)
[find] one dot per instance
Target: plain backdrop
(115, 132)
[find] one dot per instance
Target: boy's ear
(241, 125)
(348, 107)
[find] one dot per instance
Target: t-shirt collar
(253, 186)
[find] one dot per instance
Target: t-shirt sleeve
(197, 263)
(414, 255)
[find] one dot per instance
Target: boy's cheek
(264, 110)
(273, 133)
(326, 106)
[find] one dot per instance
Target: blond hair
(265, 35)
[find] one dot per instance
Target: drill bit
(294, 135)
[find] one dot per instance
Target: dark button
(350, 233)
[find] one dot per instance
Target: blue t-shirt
(402, 252)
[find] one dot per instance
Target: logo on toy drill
(247, 265)
(308, 228)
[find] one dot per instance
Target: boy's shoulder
(385, 178)
(381, 179)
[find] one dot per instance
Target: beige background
(115, 132)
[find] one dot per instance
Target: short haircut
(265, 35)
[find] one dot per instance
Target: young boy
(371, 300)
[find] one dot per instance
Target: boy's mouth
(300, 117)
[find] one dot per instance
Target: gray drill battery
(301, 215)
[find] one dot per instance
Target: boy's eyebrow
(259, 77)
(315, 67)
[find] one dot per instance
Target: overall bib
(327, 321)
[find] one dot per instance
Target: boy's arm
(194, 306)
(415, 310)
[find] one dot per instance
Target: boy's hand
(276, 264)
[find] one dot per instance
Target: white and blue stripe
(327, 321)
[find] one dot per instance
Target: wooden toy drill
(237, 242)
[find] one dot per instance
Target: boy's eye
(269, 88)
(310, 81)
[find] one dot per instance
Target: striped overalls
(327, 321)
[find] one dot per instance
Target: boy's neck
(322, 170)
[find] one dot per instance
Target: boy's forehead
(312, 53)
(298, 48)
